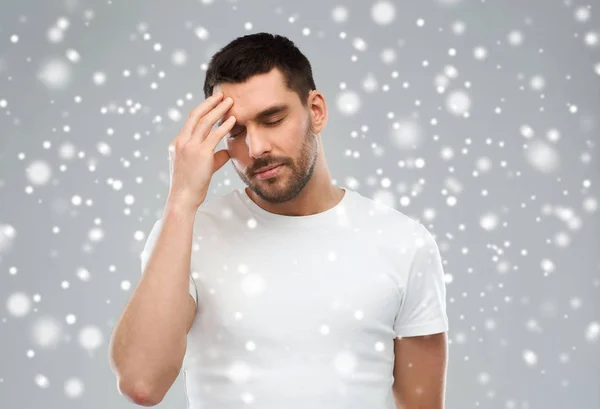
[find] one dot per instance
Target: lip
(261, 170)
(269, 173)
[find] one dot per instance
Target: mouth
(261, 170)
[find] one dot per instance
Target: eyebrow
(272, 110)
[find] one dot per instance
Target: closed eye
(266, 123)
(273, 123)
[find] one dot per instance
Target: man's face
(285, 136)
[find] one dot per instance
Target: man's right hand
(192, 157)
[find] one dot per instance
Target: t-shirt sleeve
(147, 251)
(423, 305)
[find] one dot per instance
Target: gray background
(497, 104)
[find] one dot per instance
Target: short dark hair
(259, 53)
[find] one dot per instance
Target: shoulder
(385, 218)
(219, 214)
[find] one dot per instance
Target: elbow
(138, 393)
(129, 386)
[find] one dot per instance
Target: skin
(303, 185)
(420, 371)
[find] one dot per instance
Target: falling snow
(480, 119)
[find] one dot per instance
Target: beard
(292, 177)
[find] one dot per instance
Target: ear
(318, 110)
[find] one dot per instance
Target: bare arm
(150, 338)
(420, 371)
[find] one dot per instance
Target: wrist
(179, 209)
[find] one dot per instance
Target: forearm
(149, 340)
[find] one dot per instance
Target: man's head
(262, 71)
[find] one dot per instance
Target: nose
(257, 144)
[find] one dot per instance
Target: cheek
(238, 152)
(233, 149)
(292, 131)
(233, 145)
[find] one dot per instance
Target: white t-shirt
(302, 311)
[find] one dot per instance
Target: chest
(295, 290)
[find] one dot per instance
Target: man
(302, 294)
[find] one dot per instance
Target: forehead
(257, 93)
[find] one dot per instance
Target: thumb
(221, 158)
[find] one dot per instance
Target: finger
(207, 122)
(221, 158)
(202, 109)
(215, 136)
